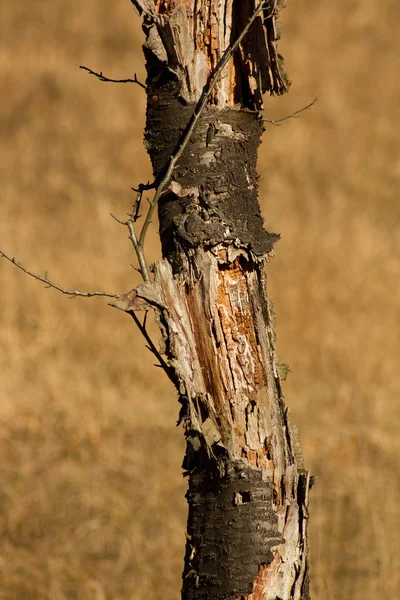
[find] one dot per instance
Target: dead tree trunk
(248, 490)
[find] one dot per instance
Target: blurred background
(92, 500)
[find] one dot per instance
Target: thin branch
(152, 347)
(130, 223)
(75, 293)
(294, 115)
(139, 193)
(49, 283)
(108, 80)
(228, 53)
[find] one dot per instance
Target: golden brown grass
(91, 494)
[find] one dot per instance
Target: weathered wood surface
(190, 37)
(248, 490)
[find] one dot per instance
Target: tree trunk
(248, 490)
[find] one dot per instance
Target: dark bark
(214, 195)
(231, 531)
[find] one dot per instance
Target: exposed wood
(190, 36)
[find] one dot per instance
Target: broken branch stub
(190, 38)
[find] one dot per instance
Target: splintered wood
(214, 344)
(243, 374)
(191, 36)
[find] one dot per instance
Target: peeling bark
(248, 489)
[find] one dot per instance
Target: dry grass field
(91, 493)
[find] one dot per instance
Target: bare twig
(294, 115)
(230, 50)
(74, 293)
(139, 193)
(108, 80)
(150, 346)
(49, 283)
(130, 223)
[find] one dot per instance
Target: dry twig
(108, 80)
(142, 328)
(51, 284)
(294, 115)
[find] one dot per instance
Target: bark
(248, 489)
